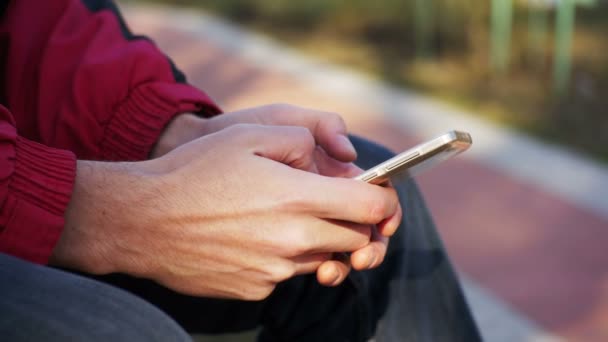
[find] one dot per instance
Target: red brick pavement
(541, 254)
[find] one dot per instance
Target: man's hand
(332, 157)
(227, 215)
(327, 128)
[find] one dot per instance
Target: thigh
(38, 303)
(195, 314)
(415, 294)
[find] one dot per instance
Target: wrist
(182, 129)
(99, 212)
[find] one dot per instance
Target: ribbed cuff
(39, 193)
(139, 121)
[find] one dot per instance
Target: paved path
(525, 223)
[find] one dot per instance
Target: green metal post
(564, 28)
(502, 18)
(423, 21)
(538, 27)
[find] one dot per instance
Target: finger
(301, 237)
(290, 145)
(372, 255)
(344, 199)
(310, 263)
(333, 272)
(313, 235)
(389, 226)
(331, 167)
(328, 129)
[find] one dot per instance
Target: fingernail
(347, 145)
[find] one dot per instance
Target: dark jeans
(413, 296)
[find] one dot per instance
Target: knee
(40, 303)
(119, 315)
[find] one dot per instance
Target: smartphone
(419, 158)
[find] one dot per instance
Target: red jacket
(76, 84)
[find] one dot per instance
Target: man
(218, 220)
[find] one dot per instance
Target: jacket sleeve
(35, 186)
(75, 84)
(77, 79)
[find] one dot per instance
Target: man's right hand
(227, 215)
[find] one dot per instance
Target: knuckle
(239, 129)
(281, 107)
(281, 271)
(308, 144)
(380, 207)
(290, 202)
(330, 121)
(336, 118)
(374, 211)
(305, 141)
(301, 246)
(393, 201)
(258, 292)
(303, 134)
(301, 241)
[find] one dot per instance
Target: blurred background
(524, 214)
(538, 65)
